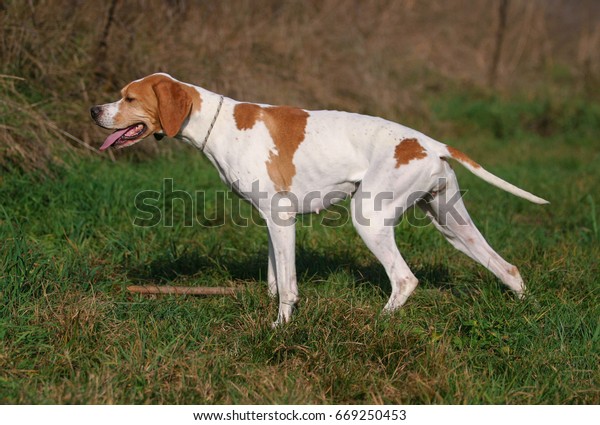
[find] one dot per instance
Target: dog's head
(157, 104)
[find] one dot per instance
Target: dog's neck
(202, 123)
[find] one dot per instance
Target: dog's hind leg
(381, 243)
(449, 215)
(374, 222)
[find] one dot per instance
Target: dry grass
(375, 56)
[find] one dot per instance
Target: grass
(70, 333)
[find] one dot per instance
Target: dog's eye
(129, 99)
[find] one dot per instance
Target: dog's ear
(174, 106)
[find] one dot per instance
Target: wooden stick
(182, 290)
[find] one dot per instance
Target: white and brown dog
(288, 161)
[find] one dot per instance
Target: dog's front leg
(282, 244)
(271, 272)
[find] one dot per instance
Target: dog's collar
(212, 124)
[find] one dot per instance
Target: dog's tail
(480, 172)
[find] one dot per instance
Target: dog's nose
(95, 111)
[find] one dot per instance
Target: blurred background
(381, 57)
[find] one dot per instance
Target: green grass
(70, 332)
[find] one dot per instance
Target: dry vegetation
(374, 56)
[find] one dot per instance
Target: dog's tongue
(113, 138)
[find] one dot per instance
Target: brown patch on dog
(246, 115)
(513, 271)
(287, 128)
(407, 150)
(462, 157)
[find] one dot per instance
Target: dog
(287, 161)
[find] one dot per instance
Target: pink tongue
(113, 138)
